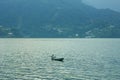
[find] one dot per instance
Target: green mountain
(56, 19)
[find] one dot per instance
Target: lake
(85, 59)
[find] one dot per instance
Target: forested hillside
(56, 19)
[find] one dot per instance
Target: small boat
(56, 59)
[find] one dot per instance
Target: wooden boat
(56, 59)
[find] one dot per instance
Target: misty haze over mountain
(57, 19)
(112, 4)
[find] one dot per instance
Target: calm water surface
(85, 59)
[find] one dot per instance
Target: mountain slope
(57, 18)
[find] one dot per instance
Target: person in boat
(53, 56)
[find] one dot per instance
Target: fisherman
(53, 56)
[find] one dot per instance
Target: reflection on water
(85, 59)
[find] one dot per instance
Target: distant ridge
(56, 19)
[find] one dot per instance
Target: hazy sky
(112, 4)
